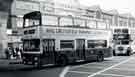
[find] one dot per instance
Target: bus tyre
(100, 58)
(62, 60)
(128, 53)
(114, 53)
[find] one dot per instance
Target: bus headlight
(35, 58)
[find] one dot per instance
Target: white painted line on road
(93, 67)
(81, 72)
(127, 69)
(114, 75)
(85, 66)
(99, 72)
(65, 70)
(77, 66)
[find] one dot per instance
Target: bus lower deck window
(66, 44)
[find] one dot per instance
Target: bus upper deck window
(35, 22)
(31, 22)
(117, 31)
(125, 30)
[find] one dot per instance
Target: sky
(123, 6)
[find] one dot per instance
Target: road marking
(65, 70)
(90, 64)
(80, 72)
(114, 75)
(93, 67)
(99, 72)
(127, 69)
(85, 65)
(98, 62)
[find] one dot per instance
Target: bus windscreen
(31, 45)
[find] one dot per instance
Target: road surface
(118, 66)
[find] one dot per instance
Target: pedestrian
(10, 53)
(13, 52)
(17, 52)
(21, 51)
(7, 53)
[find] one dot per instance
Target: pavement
(10, 61)
(10, 64)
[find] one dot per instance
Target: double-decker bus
(122, 41)
(58, 44)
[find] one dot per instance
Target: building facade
(3, 30)
(71, 8)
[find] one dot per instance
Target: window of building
(49, 20)
(67, 44)
(91, 24)
(125, 23)
(66, 21)
(116, 20)
(98, 14)
(79, 22)
(107, 18)
(19, 22)
(120, 23)
(110, 21)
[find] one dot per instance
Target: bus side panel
(108, 52)
(90, 54)
(69, 54)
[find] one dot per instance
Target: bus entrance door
(80, 49)
(48, 51)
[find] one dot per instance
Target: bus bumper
(30, 59)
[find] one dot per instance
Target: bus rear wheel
(128, 53)
(114, 53)
(62, 60)
(100, 58)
